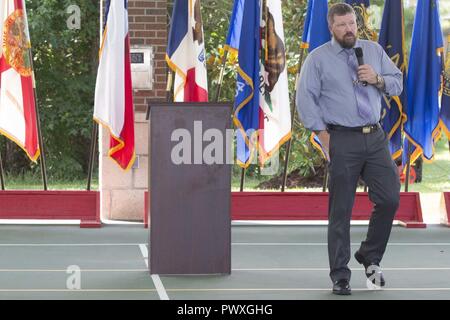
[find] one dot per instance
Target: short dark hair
(339, 9)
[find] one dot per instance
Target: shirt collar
(337, 49)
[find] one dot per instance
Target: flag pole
(38, 125)
(241, 189)
(95, 127)
(294, 114)
(222, 72)
(94, 137)
(325, 178)
(408, 167)
(2, 177)
(169, 85)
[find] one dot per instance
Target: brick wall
(122, 193)
(148, 26)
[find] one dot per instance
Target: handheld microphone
(360, 56)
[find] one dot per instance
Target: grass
(435, 175)
(34, 183)
(435, 178)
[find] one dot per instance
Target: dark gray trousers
(354, 154)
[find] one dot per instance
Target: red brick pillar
(123, 192)
(148, 26)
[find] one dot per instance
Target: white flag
(275, 119)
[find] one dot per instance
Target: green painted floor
(268, 262)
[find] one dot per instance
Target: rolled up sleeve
(307, 97)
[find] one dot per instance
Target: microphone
(360, 56)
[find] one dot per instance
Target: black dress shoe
(373, 270)
(342, 287)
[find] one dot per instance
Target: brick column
(123, 192)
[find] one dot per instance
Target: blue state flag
(445, 104)
(315, 34)
(392, 39)
(424, 81)
(315, 30)
(244, 37)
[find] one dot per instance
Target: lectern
(190, 188)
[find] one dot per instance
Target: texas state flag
(186, 52)
(113, 92)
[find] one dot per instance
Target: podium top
(165, 104)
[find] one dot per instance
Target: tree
(65, 62)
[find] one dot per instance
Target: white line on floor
(234, 244)
(327, 269)
(68, 244)
(300, 289)
(144, 252)
(325, 244)
(217, 290)
(234, 270)
(77, 291)
(160, 287)
(65, 270)
(156, 280)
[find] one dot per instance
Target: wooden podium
(190, 189)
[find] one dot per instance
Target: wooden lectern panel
(190, 219)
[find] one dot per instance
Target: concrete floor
(268, 262)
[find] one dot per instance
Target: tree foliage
(65, 63)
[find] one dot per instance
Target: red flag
(186, 52)
(113, 92)
(18, 119)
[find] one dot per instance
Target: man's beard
(348, 41)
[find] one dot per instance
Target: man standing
(339, 98)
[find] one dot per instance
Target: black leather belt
(366, 129)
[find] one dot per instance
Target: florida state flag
(18, 119)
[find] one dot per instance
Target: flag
(315, 29)
(315, 34)
(365, 29)
(445, 103)
(392, 39)
(244, 38)
(186, 52)
(18, 118)
(275, 112)
(424, 81)
(113, 92)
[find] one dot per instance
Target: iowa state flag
(186, 52)
(392, 40)
(113, 92)
(424, 81)
(18, 119)
(275, 113)
(445, 104)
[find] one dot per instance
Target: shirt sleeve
(393, 77)
(307, 96)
